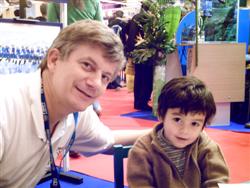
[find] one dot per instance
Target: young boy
(178, 153)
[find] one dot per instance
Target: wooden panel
(173, 66)
(222, 67)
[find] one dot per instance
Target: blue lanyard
(55, 175)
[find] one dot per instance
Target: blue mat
(88, 182)
(141, 115)
(232, 127)
(147, 115)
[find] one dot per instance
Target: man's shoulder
(117, 21)
(92, 2)
(138, 17)
(14, 81)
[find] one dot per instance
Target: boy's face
(180, 129)
(82, 77)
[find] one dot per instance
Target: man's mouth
(84, 93)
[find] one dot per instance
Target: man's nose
(95, 80)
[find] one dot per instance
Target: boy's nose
(184, 129)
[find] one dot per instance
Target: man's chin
(79, 108)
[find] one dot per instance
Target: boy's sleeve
(213, 166)
(139, 170)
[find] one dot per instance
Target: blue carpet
(232, 127)
(88, 182)
(141, 115)
(147, 115)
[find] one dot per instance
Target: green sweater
(150, 167)
(92, 10)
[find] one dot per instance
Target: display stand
(24, 45)
(222, 68)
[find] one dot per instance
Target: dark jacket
(123, 25)
(134, 30)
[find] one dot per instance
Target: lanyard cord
(55, 180)
(72, 139)
(55, 174)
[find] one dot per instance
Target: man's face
(77, 81)
(182, 129)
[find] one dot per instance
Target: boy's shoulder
(206, 143)
(143, 144)
(204, 139)
(146, 141)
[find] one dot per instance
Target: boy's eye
(177, 119)
(195, 124)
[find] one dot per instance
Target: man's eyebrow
(95, 63)
(89, 59)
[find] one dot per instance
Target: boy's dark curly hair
(190, 95)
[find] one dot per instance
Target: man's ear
(52, 58)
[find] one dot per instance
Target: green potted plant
(160, 24)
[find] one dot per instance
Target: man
(43, 10)
(76, 10)
(143, 79)
(38, 110)
(119, 26)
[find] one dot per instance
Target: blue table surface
(88, 182)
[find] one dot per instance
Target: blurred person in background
(43, 10)
(119, 24)
(143, 72)
(76, 10)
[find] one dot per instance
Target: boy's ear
(52, 58)
(160, 118)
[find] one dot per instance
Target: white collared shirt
(24, 151)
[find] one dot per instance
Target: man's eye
(87, 66)
(106, 79)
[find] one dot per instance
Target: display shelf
(24, 44)
(222, 67)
